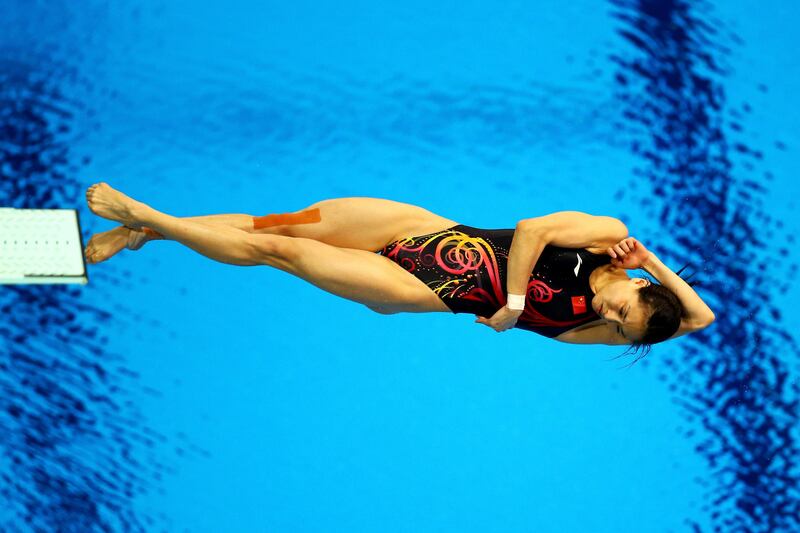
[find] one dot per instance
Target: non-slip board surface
(41, 246)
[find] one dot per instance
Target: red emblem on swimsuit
(578, 305)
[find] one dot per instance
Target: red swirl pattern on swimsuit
(466, 259)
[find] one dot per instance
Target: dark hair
(666, 312)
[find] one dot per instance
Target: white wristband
(516, 302)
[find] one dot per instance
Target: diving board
(41, 246)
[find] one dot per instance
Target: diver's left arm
(698, 313)
(524, 252)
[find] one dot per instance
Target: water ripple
(75, 452)
(738, 379)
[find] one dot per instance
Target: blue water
(174, 393)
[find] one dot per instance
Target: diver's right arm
(696, 309)
(629, 253)
(568, 229)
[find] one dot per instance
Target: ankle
(152, 234)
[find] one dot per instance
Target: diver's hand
(502, 320)
(628, 253)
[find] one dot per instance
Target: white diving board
(41, 246)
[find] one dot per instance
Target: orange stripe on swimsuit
(303, 217)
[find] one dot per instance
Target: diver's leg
(104, 245)
(361, 223)
(220, 242)
(357, 275)
(239, 221)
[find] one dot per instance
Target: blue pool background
(178, 394)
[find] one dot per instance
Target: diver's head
(643, 312)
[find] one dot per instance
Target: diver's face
(618, 303)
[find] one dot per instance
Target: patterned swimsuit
(466, 267)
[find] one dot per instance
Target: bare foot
(107, 202)
(104, 245)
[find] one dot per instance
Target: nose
(608, 314)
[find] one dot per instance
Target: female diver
(560, 275)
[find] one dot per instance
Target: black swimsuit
(466, 268)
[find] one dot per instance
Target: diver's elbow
(707, 322)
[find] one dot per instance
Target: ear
(642, 282)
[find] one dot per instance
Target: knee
(382, 310)
(272, 250)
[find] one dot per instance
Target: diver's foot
(104, 245)
(107, 202)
